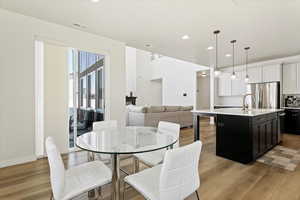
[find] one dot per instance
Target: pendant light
(247, 75)
(203, 74)
(233, 75)
(217, 71)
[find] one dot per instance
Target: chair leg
(136, 165)
(124, 190)
(91, 193)
(100, 193)
(91, 156)
(197, 194)
(122, 170)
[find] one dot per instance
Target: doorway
(86, 89)
(203, 90)
(69, 93)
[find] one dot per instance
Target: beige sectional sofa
(151, 115)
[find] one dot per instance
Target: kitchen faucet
(244, 100)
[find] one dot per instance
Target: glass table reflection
(125, 140)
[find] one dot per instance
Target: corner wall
(17, 80)
(162, 81)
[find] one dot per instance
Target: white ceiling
(270, 27)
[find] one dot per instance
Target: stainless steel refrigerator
(265, 95)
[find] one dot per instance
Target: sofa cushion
(185, 108)
(138, 109)
(184, 118)
(156, 109)
(172, 108)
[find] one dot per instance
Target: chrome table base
(115, 177)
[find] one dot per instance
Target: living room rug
(281, 157)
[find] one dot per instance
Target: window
(83, 92)
(100, 88)
(91, 92)
(88, 82)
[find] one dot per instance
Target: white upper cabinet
(255, 74)
(224, 84)
(259, 74)
(291, 79)
(271, 73)
(228, 87)
(238, 86)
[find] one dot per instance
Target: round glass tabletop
(126, 140)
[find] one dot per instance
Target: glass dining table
(125, 140)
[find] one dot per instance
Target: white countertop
(230, 106)
(238, 111)
(291, 108)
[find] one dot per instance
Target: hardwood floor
(221, 179)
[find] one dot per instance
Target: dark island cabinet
(245, 138)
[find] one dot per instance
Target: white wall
(56, 95)
(17, 104)
(139, 70)
(164, 80)
(130, 70)
(178, 77)
(176, 83)
(149, 92)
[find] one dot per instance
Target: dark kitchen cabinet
(245, 138)
(265, 134)
(292, 121)
(276, 128)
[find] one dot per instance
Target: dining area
(169, 172)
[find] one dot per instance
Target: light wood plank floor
(221, 179)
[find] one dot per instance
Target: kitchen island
(242, 135)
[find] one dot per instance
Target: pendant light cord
(216, 34)
(233, 41)
(246, 62)
(233, 57)
(247, 49)
(216, 51)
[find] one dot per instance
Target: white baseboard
(16, 161)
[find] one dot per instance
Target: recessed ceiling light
(185, 37)
(228, 55)
(94, 1)
(210, 48)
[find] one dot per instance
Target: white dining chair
(98, 126)
(156, 157)
(175, 179)
(69, 183)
